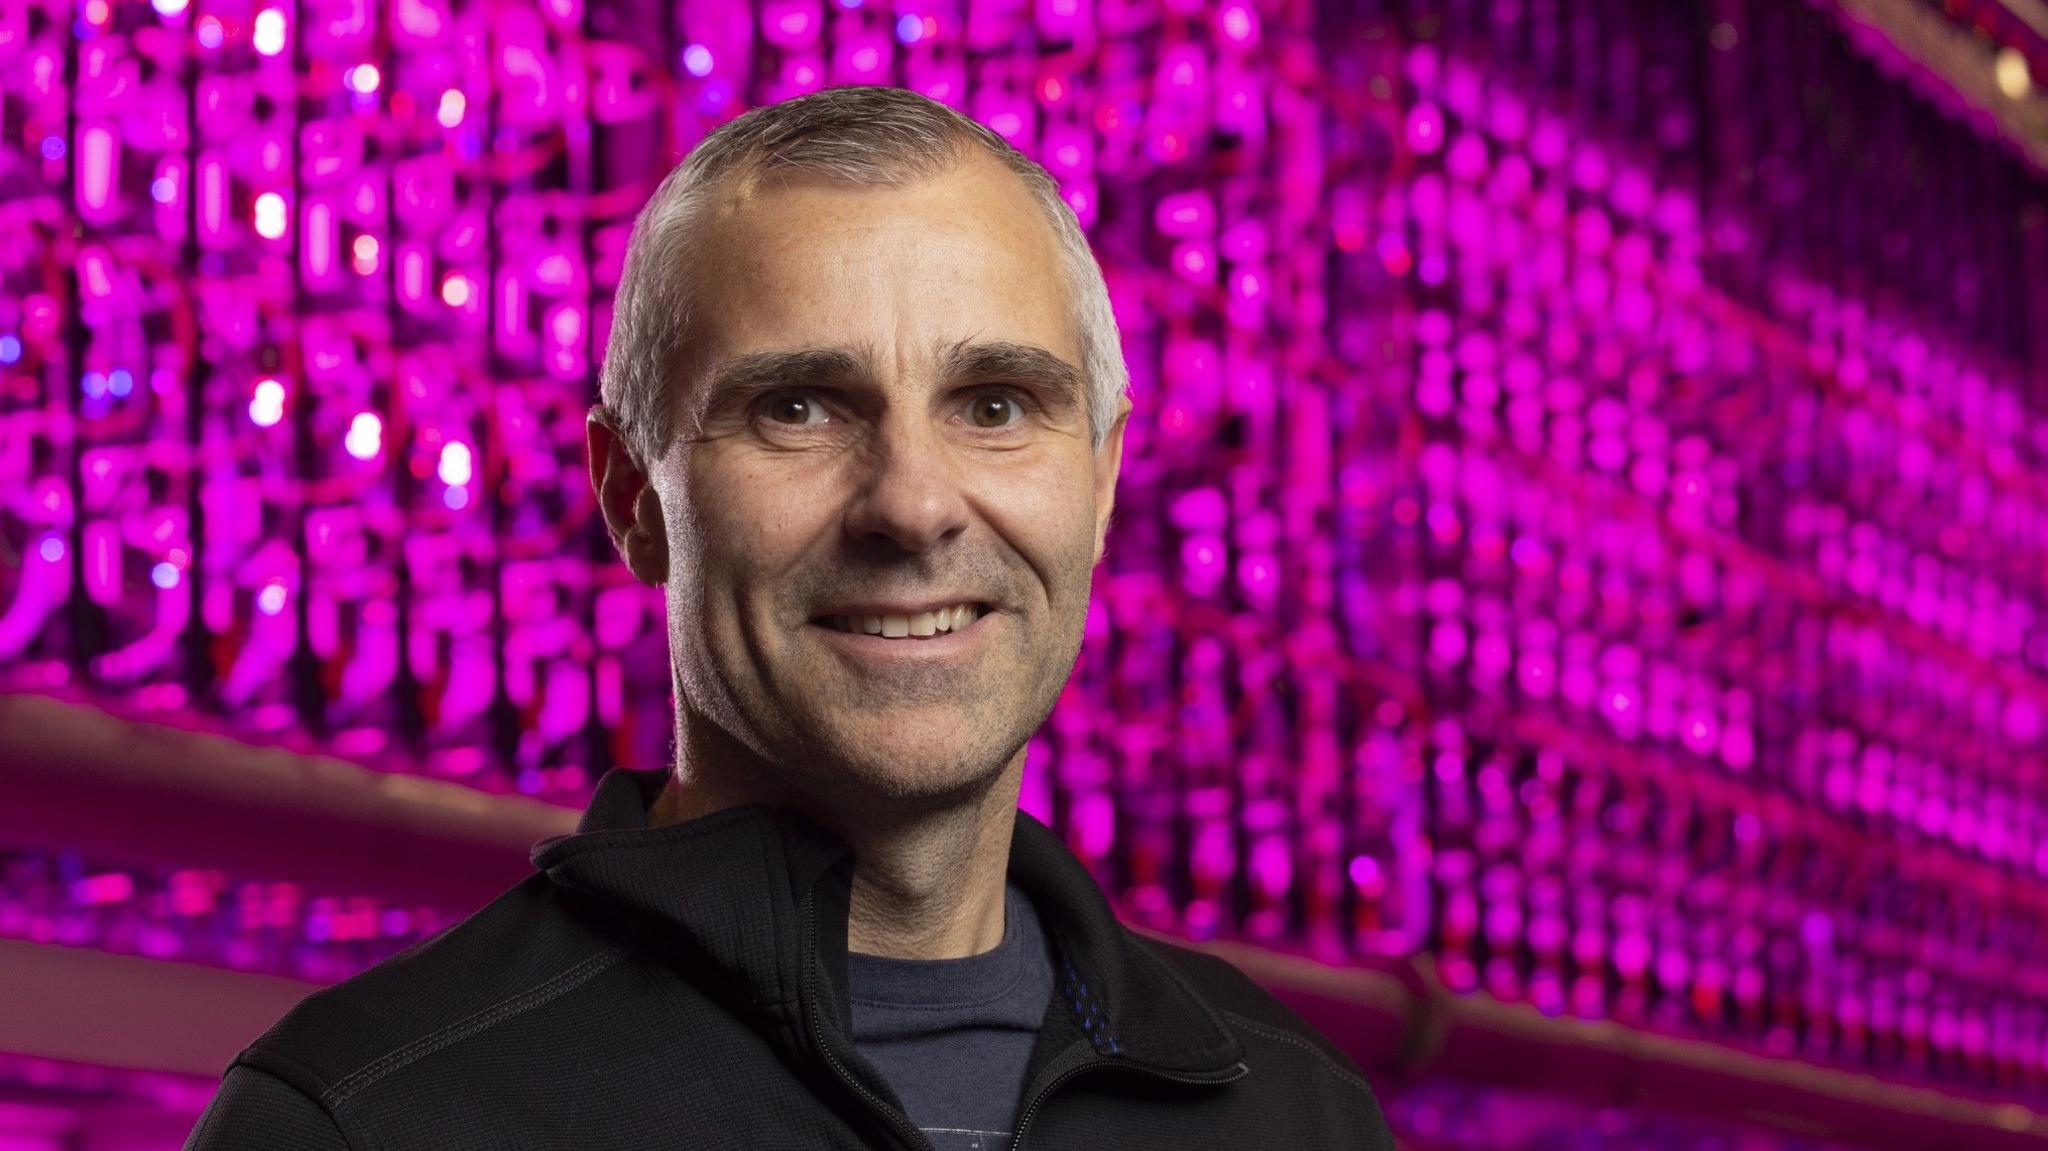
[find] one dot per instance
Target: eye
(994, 410)
(795, 409)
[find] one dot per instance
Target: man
(863, 416)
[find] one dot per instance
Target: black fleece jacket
(685, 987)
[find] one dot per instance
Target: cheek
(1045, 507)
(754, 520)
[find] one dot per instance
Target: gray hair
(859, 136)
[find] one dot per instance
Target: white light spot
(365, 436)
(269, 36)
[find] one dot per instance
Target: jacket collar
(730, 885)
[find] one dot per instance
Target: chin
(913, 773)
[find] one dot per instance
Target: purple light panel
(196, 915)
(1583, 517)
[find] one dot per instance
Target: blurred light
(455, 290)
(1425, 128)
(270, 216)
(364, 78)
(1723, 36)
(164, 575)
(95, 166)
(449, 113)
(1238, 22)
(365, 436)
(556, 270)
(169, 8)
(120, 382)
(113, 887)
(2010, 68)
(96, 11)
(455, 469)
(267, 406)
(793, 25)
(697, 60)
(51, 549)
(209, 32)
(53, 147)
(909, 28)
(269, 34)
(163, 189)
(364, 254)
(270, 600)
(10, 349)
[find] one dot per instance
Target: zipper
(1231, 1074)
(896, 1119)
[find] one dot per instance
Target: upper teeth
(920, 624)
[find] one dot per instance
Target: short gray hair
(859, 136)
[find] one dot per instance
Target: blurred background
(1576, 623)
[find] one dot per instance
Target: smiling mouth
(917, 625)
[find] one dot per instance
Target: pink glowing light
(266, 406)
(270, 216)
(555, 271)
(455, 465)
(1426, 128)
(791, 23)
(98, 156)
(269, 32)
(271, 599)
(365, 436)
(320, 240)
(565, 326)
(449, 110)
(412, 275)
(1239, 23)
(95, 273)
(111, 887)
(1185, 214)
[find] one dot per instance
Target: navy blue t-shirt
(952, 1036)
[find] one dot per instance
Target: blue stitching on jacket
(1087, 1010)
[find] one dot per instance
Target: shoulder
(257, 1109)
(1265, 1025)
(519, 952)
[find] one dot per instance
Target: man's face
(888, 434)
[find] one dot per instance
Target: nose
(911, 496)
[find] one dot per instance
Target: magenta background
(1583, 520)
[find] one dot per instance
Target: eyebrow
(744, 378)
(1024, 364)
(748, 376)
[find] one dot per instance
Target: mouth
(913, 625)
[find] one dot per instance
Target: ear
(1109, 463)
(630, 505)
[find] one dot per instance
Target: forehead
(964, 254)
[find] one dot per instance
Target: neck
(927, 883)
